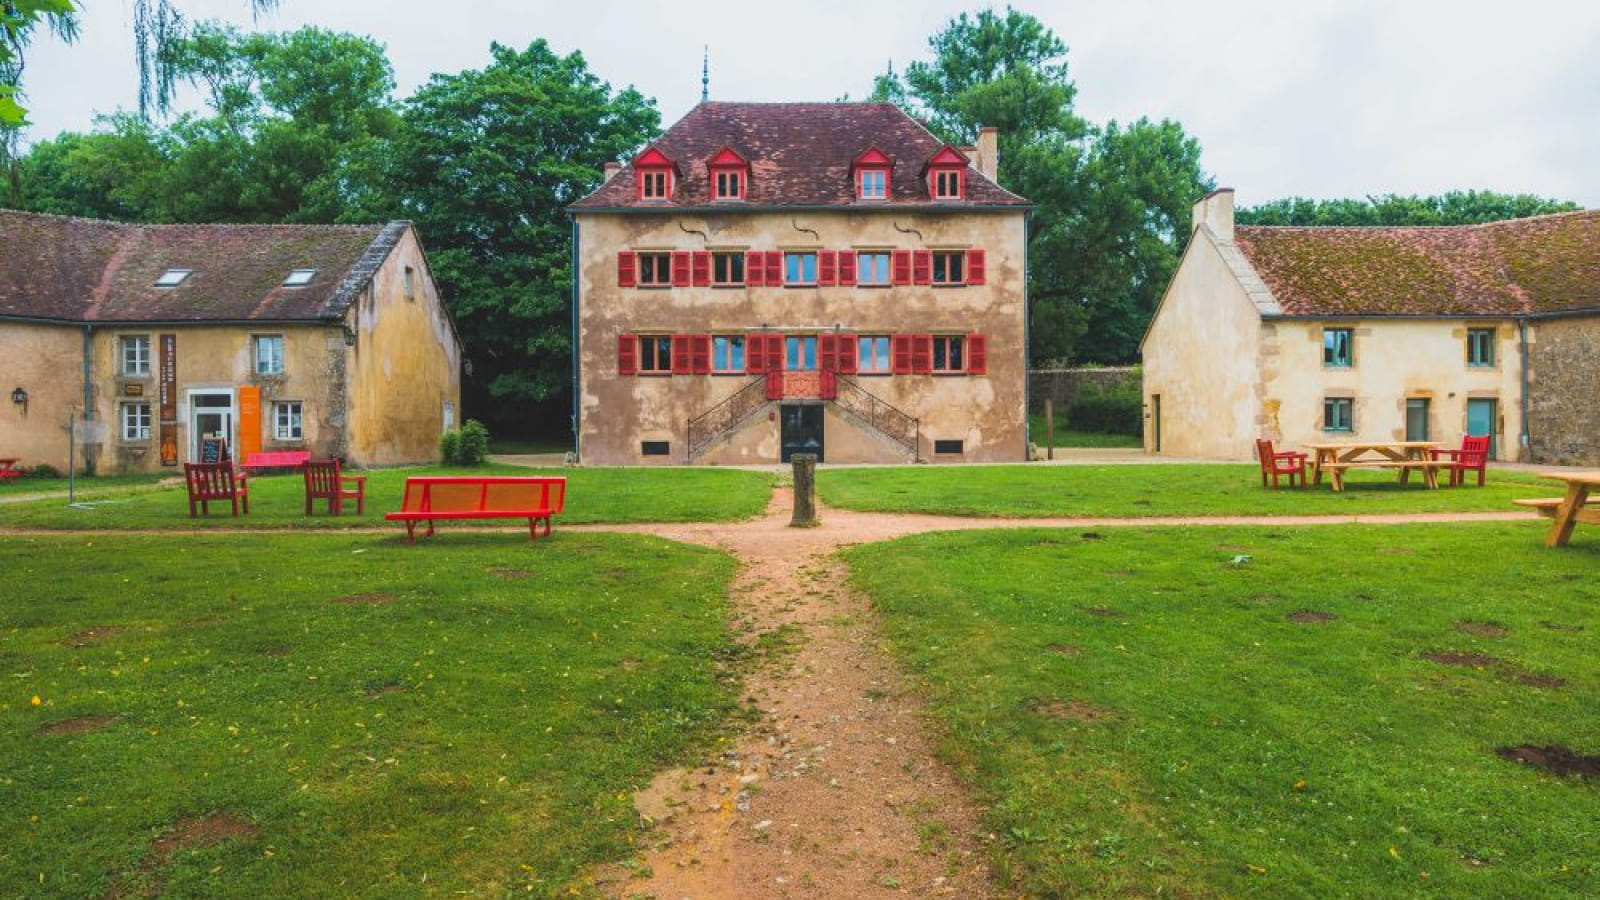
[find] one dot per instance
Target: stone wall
(1564, 391)
(1063, 385)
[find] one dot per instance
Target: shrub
(45, 470)
(1107, 411)
(474, 443)
(450, 447)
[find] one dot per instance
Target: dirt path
(834, 791)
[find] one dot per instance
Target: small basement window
(300, 277)
(655, 448)
(949, 446)
(173, 277)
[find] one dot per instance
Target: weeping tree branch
(158, 26)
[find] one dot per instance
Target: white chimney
(611, 169)
(1216, 210)
(988, 160)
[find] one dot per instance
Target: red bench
(215, 481)
(279, 459)
(324, 481)
(8, 469)
(431, 498)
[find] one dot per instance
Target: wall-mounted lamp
(19, 397)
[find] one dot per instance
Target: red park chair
(323, 482)
(1274, 464)
(1472, 457)
(215, 481)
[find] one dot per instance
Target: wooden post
(1049, 428)
(805, 491)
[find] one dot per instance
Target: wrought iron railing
(726, 416)
(877, 413)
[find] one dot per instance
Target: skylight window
(300, 277)
(173, 277)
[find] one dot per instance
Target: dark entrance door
(802, 430)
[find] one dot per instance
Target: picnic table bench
(429, 498)
(278, 459)
(8, 468)
(1335, 458)
(1577, 506)
(1428, 468)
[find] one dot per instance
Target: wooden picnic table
(1567, 511)
(1402, 455)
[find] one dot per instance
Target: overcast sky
(1315, 98)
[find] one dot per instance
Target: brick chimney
(611, 169)
(1216, 210)
(988, 160)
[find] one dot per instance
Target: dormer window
(730, 175)
(870, 171)
(947, 175)
(300, 277)
(656, 175)
(173, 277)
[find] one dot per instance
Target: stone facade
(1564, 395)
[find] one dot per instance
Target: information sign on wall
(168, 388)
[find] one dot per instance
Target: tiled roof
(800, 155)
(80, 270)
(1517, 267)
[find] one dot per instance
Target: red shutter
(902, 267)
(900, 354)
(755, 353)
(627, 354)
(755, 274)
(700, 353)
(847, 267)
(681, 362)
(700, 268)
(922, 354)
(774, 352)
(975, 266)
(627, 269)
(978, 354)
(922, 267)
(827, 267)
(847, 354)
(828, 352)
(774, 268)
(680, 268)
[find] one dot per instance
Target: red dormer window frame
(873, 161)
(730, 175)
(656, 174)
(947, 174)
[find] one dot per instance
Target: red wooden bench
(324, 482)
(215, 481)
(1274, 464)
(278, 459)
(9, 470)
(430, 498)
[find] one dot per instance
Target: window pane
(800, 268)
(269, 355)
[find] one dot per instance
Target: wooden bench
(431, 498)
(325, 482)
(215, 481)
(1547, 507)
(1429, 468)
(280, 459)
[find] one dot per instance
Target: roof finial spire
(705, 75)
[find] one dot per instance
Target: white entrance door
(211, 414)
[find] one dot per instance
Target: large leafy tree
(1110, 202)
(1453, 208)
(486, 163)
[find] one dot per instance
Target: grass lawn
(638, 494)
(343, 715)
(1149, 490)
(1068, 438)
(1143, 715)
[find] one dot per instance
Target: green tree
(1110, 204)
(112, 173)
(19, 19)
(1453, 208)
(486, 163)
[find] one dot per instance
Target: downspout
(576, 364)
(88, 396)
(1027, 344)
(1527, 438)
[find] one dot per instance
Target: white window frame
(137, 362)
(288, 420)
(135, 419)
(271, 364)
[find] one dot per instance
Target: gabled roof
(727, 156)
(1542, 264)
(653, 157)
(800, 154)
(872, 158)
(947, 157)
(81, 270)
